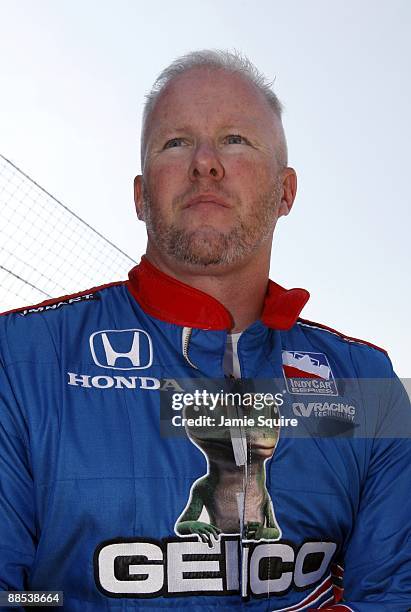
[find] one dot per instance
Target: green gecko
(228, 486)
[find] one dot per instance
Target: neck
(241, 289)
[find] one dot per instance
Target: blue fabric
(84, 464)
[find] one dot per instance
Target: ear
(138, 196)
(289, 190)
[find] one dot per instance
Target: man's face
(212, 189)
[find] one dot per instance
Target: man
(114, 494)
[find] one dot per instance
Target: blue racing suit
(105, 496)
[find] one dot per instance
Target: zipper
(240, 451)
(185, 339)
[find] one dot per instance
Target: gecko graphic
(231, 498)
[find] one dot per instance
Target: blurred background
(73, 76)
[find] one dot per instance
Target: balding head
(214, 179)
(215, 60)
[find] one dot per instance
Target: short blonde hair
(231, 61)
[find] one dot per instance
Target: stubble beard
(209, 246)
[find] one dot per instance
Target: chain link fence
(46, 250)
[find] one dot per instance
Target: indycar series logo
(308, 373)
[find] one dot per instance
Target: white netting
(45, 249)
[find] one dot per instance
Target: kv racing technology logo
(337, 410)
(307, 373)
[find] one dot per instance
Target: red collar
(170, 300)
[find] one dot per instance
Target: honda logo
(122, 349)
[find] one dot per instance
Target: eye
(173, 143)
(237, 139)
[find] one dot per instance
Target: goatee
(209, 246)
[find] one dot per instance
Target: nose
(206, 163)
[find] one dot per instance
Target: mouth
(206, 199)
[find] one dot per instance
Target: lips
(206, 198)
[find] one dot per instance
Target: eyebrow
(174, 130)
(178, 130)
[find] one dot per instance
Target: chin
(212, 247)
(205, 253)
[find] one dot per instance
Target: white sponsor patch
(308, 373)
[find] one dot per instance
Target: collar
(172, 301)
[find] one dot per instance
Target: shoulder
(355, 356)
(338, 334)
(29, 332)
(59, 302)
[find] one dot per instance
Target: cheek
(165, 180)
(250, 176)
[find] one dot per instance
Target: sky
(73, 75)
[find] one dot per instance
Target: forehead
(213, 97)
